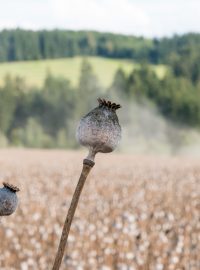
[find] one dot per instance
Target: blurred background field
(135, 212)
(49, 79)
(34, 72)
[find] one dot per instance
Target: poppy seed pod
(8, 199)
(99, 130)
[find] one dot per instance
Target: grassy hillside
(35, 71)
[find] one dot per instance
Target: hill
(34, 72)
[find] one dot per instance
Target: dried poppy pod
(8, 199)
(99, 130)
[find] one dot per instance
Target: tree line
(18, 45)
(47, 116)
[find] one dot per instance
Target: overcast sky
(151, 18)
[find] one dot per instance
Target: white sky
(139, 17)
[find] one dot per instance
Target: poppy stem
(87, 166)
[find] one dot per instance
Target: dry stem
(87, 166)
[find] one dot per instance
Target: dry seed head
(99, 130)
(8, 199)
(11, 187)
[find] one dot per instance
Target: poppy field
(135, 212)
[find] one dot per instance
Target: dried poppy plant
(8, 199)
(99, 131)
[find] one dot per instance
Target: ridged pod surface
(99, 130)
(8, 199)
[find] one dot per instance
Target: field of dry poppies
(135, 212)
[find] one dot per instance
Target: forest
(47, 116)
(18, 44)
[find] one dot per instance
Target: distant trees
(176, 97)
(7, 104)
(17, 44)
(47, 117)
(165, 50)
(187, 66)
(88, 89)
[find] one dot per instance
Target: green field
(34, 72)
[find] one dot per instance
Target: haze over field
(146, 131)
